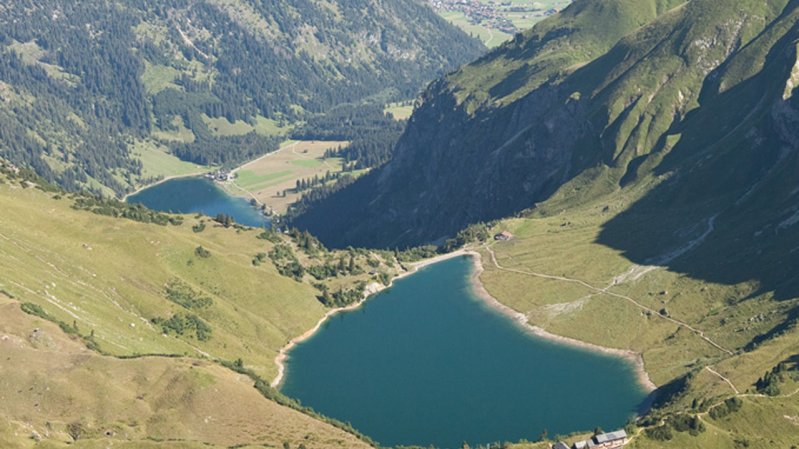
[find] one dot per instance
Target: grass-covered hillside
(103, 95)
(702, 341)
(155, 327)
(57, 394)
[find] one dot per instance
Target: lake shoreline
(161, 181)
(521, 319)
(371, 290)
(479, 290)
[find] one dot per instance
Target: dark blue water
(198, 195)
(426, 362)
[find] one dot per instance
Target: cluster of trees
(474, 233)
(307, 242)
(727, 407)
(372, 134)
(316, 181)
(185, 324)
(224, 219)
(270, 235)
(116, 208)
(417, 253)
(679, 423)
(345, 265)
(341, 297)
(185, 296)
(318, 194)
(286, 262)
(769, 384)
(259, 259)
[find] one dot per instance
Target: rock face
(643, 97)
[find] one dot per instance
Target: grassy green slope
(109, 275)
(580, 33)
(57, 393)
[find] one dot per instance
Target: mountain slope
(651, 180)
(162, 296)
(570, 101)
(84, 83)
(57, 391)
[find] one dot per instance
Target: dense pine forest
(82, 83)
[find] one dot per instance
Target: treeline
(311, 183)
(318, 194)
(342, 297)
(116, 208)
(206, 149)
(61, 129)
(372, 134)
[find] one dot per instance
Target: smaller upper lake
(198, 195)
(429, 363)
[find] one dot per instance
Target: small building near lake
(610, 440)
(560, 445)
(503, 236)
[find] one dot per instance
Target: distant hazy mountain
(82, 82)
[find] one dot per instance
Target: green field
(307, 163)
(157, 162)
(159, 77)
(250, 180)
(267, 178)
(221, 127)
(270, 127)
(400, 111)
(178, 133)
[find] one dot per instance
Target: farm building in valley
(610, 440)
(503, 236)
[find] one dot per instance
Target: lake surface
(198, 195)
(427, 362)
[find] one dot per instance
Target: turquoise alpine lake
(427, 362)
(198, 195)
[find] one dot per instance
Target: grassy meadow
(108, 276)
(267, 177)
(58, 391)
(157, 162)
(400, 110)
(558, 273)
